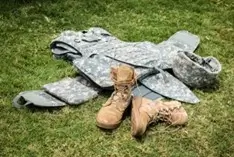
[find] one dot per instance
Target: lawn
(27, 28)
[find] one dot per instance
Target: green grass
(27, 28)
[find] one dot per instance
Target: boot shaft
(110, 115)
(123, 75)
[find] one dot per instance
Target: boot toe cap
(180, 118)
(107, 120)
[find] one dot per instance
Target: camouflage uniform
(94, 51)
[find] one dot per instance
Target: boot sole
(135, 121)
(109, 127)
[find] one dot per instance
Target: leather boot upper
(111, 113)
(145, 112)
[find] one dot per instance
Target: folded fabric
(36, 98)
(196, 71)
(167, 85)
(71, 91)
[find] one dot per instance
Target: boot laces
(152, 112)
(120, 93)
(119, 97)
(122, 89)
(164, 114)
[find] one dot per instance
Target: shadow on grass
(107, 131)
(142, 138)
(163, 129)
(33, 109)
(209, 89)
(212, 88)
(7, 6)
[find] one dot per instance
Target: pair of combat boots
(143, 111)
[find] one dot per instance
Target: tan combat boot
(145, 112)
(110, 115)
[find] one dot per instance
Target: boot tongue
(121, 92)
(123, 78)
(117, 96)
(124, 74)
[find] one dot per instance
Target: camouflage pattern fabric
(36, 98)
(96, 50)
(196, 71)
(97, 68)
(88, 83)
(170, 87)
(98, 41)
(71, 91)
(185, 40)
